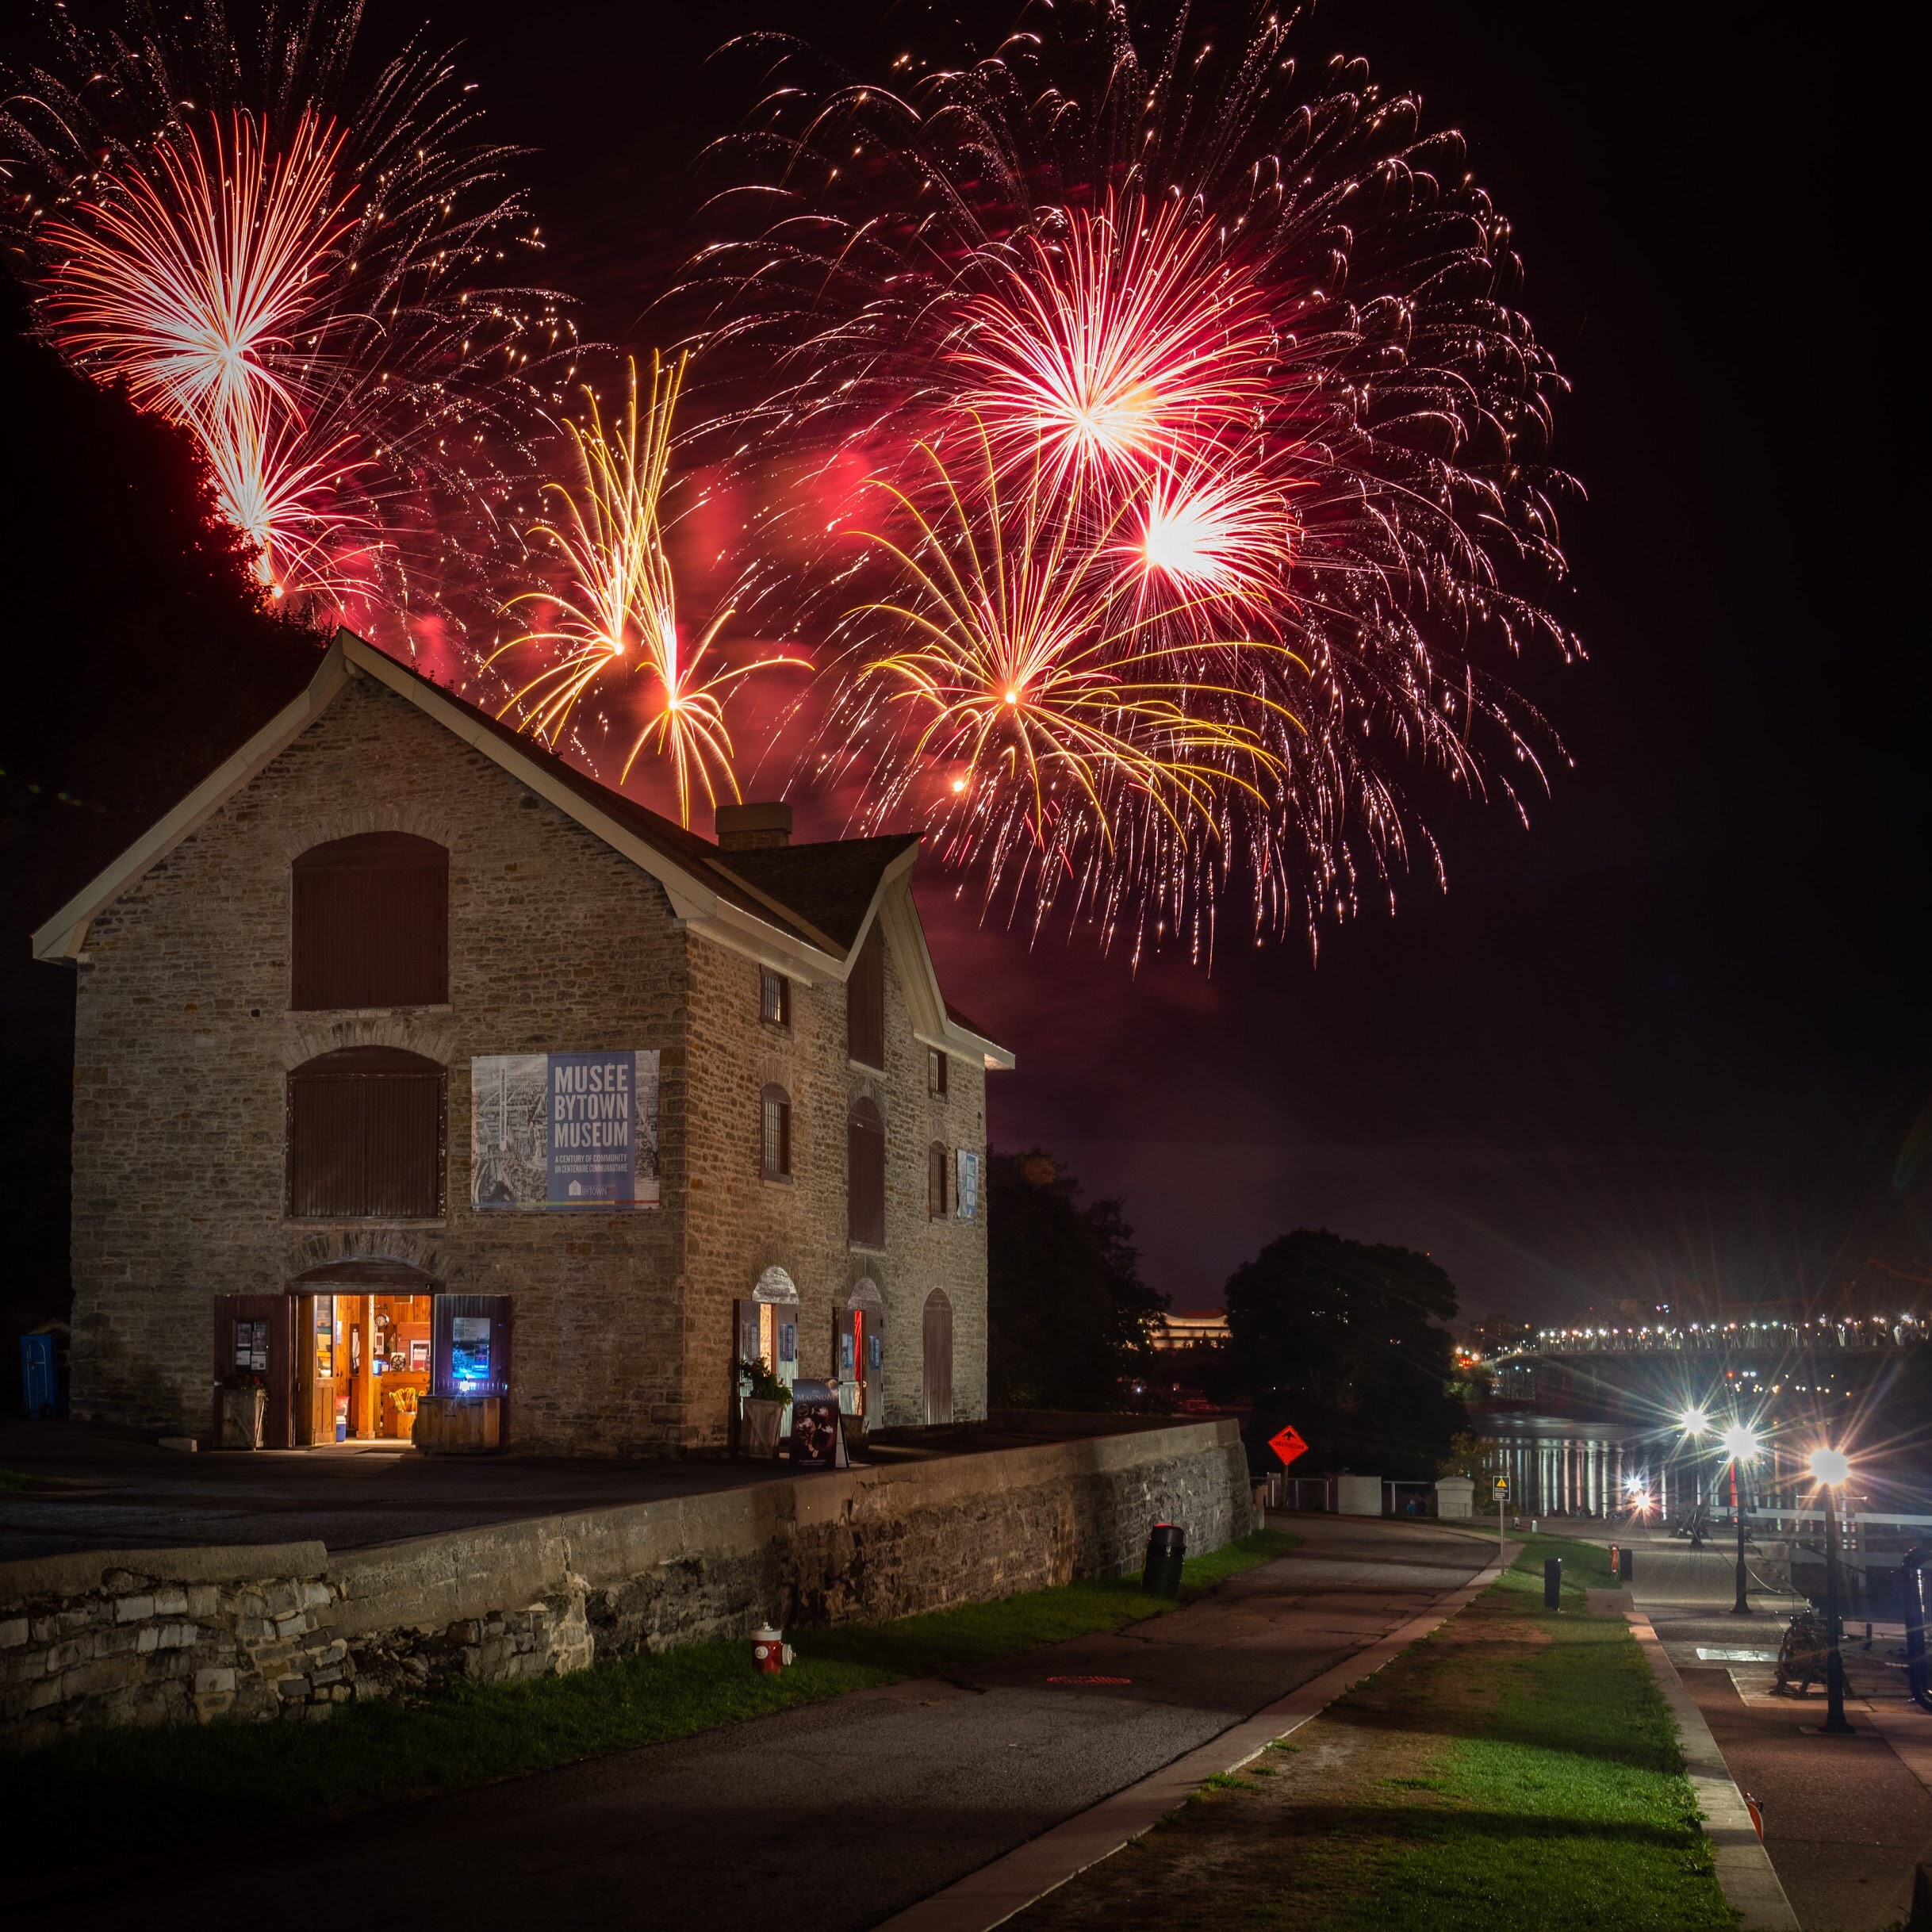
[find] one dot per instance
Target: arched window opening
(370, 924)
(776, 1138)
(366, 1136)
(865, 1176)
(866, 1003)
(936, 1164)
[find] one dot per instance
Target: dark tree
(139, 656)
(1067, 1310)
(1345, 1341)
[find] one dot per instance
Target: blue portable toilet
(41, 1394)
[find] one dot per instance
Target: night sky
(1675, 1033)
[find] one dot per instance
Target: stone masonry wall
(184, 1036)
(740, 1224)
(197, 1634)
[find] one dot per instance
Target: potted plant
(244, 1401)
(766, 1396)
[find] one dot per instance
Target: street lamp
(1740, 1441)
(1694, 1422)
(1829, 1469)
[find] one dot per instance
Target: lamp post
(1740, 1441)
(1695, 1421)
(1829, 1469)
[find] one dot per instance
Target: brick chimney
(752, 828)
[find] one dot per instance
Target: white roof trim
(735, 927)
(65, 934)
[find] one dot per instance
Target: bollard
(1616, 1561)
(1553, 1583)
(1166, 1546)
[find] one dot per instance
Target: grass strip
(161, 1785)
(1569, 1805)
(1515, 1771)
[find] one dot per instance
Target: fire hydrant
(770, 1651)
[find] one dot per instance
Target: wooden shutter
(865, 1176)
(365, 1138)
(935, 1180)
(938, 1347)
(277, 1311)
(866, 1003)
(370, 924)
(495, 1309)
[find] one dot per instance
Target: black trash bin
(1553, 1583)
(1166, 1547)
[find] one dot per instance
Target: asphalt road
(837, 1815)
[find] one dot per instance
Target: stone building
(412, 1065)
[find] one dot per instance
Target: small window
(935, 1180)
(935, 1071)
(776, 1157)
(866, 1003)
(774, 998)
(865, 1176)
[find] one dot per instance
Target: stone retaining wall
(286, 1630)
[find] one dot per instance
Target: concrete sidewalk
(844, 1813)
(1846, 1820)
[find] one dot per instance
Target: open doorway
(364, 1351)
(767, 1325)
(361, 1366)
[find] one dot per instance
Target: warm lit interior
(362, 1364)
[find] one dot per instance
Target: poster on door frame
(564, 1130)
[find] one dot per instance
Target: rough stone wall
(197, 1634)
(184, 1035)
(740, 1224)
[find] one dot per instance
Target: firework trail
(1255, 332)
(308, 287)
(615, 612)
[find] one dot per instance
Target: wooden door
(845, 1360)
(744, 1348)
(255, 1333)
(317, 1364)
(938, 1341)
(469, 1348)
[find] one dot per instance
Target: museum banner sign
(564, 1130)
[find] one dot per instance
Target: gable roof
(803, 909)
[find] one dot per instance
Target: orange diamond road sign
(1289, 1444)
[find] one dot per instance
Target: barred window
(774, 998)
(776, 1158)
(935, 1180)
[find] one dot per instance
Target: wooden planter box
(242, 1411)
(759, 1436)
(458, 1424)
